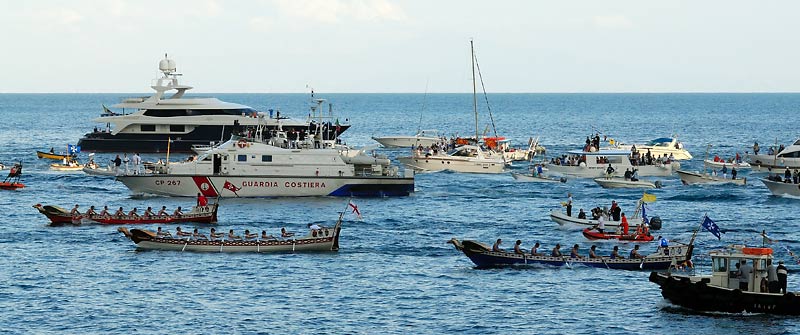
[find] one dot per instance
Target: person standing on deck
(569, 204)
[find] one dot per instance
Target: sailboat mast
(474, 91)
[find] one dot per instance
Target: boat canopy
(660, 140)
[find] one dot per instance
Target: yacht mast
(474, 90)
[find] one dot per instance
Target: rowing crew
(556, 252)
(148, 213)
(316, 230)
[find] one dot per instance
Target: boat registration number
(168, 182)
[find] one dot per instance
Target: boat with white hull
(563, 219)
(658, 148)
(530, 178)
(467, 158)
(710, 163)
(185, 121)
(425, 138)
(241, 168)
(691, 178)
(590, 166)
(788, 157)
(616, 182)
(779, 188)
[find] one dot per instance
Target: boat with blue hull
(483, 257)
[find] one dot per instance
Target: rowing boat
(199, 214)
(596, 235)
(48, 155)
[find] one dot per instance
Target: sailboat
(689, 177)
(465, 158)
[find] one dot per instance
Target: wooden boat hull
(59, 216)
(326, 240)
(528, 178)
(691, 178)
(700, 296)
(483, 257)
(782, 189)
(623, 183)
(47, 155)
(61, 167)
(596, 235)
(11, 186)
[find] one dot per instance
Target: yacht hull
(406, 141)
(780, 188)
(690, 178)
(268, 186)
(434, 163)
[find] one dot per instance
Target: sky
(388, 46)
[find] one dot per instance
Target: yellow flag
(648, 197)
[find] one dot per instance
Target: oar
(567, 263)
(603, 259)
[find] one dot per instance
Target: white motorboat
(424, 138)
(691, 178)
(780, 188)
(710, 163)
(658, 148)
(616, 182)
(788, 157)
(243, 168)
(573, 221)
(530, 178)
(595, 164)
(466, 158)
(186, 121)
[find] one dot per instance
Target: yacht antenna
(485, 96)
(474, 89)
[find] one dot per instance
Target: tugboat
(723, 290)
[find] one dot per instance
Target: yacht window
(165, 112)
(720, 265)
(147, 127)
(176, 128)
(266, 158)
(242, 158)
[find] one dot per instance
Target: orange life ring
(241, 143)
(757, 251)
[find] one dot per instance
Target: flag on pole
(356, 211)
(73, 149)
(230, 186)
(648, 197)
(712, 227)
(338, 126)
(644, 214)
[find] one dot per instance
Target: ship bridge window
(147, 127)
(241, 158)
(794, 154)
(720, 265)
(266, 158)
(176, 128)
(165, 112)
(232, 111)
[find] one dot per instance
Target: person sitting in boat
(635, 253)
(539, 169)
(248, 236)
(214, 235)
(52, 150)
(163, 211)
(104, 212)
(315, 229)
(601, 224)
(233, 237)
(624, 224)
(119, 213)
(615, 210)
(90, 211)
(265, 237)
(197, 236)
(180, 233)
(75, 212)
(635, 175)
(592, 253)
(285, 233)
(595, 213)
(628, 174)
(581, 214)
(517, 249)
(177, 213)
(574, 253)
(733, 172)
(496, 246)
(556, 251)
(160, 233)
(148, 212)
(535, 250)
(133, 213)
(615, 253)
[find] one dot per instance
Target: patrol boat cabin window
(266, 158)
(176, 128)
(242, 158)
(720, 265)
(147, 127)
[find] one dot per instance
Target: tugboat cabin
(726, 264)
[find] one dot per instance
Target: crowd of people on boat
(121, 213)
(635, 158)
(315, 230)
(574, 252)
(789, 177)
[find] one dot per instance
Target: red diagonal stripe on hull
(205, 186)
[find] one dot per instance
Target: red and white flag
(356, 211)
(230, 186)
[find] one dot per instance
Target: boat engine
(655, 223)
(658, 184)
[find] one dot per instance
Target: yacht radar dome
(167, 66)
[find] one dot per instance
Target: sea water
(395, 273)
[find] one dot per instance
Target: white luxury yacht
(184, 121)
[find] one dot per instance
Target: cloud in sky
(612, 21)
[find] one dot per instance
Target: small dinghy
(12, 180)
(596, 235)
(617, 182)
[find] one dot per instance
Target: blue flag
(73, 149)
(644, 214)
(711, 227)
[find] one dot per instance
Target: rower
(264, 236)
(285, 233)
(177, 213)
(90, 211)
(534, 250)
(180, 233)
(75, 212)
(615, 253)
(635, 253)
(133, 213)
(160, 233)
(248, 236)
(197, 236)
(119, 213)
(148, 212)
(163, 211)
(574, 253)
(592, 253)
(104, 212)
(496, 246)
(214, 235)
(232, 236)
(517, 249)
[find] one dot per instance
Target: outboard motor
(655, 223)
(658, 184)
